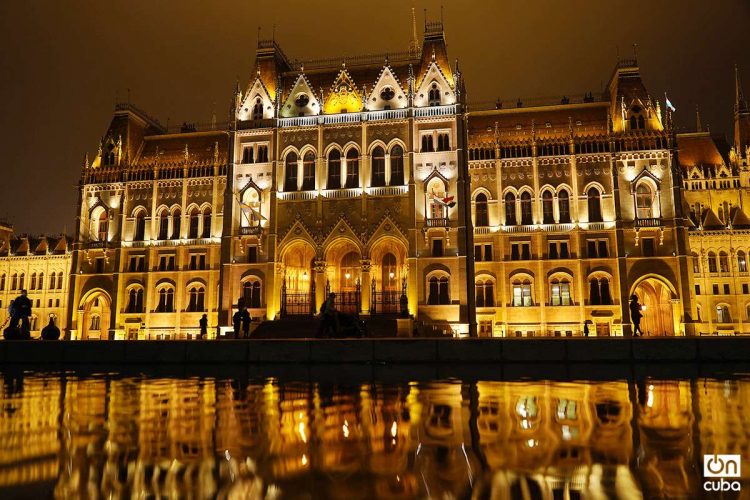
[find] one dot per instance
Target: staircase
(307, 327)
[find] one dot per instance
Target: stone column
(319, 275)
(365, 287)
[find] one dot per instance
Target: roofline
(539, 109)
(203, 133)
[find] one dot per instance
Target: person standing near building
(245, 323)
(586, 328)
(204, 326)
(237, 323)
(22, 311)
(635, 316)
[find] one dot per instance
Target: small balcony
(251, 230)
(440, 222)
(649, 222)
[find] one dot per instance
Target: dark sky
(63, 63)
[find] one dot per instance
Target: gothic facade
(372, 178)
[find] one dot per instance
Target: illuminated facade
(369, 176)
(41, 265)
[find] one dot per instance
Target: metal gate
(297, 303)
(347, 301)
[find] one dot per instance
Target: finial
(433, 54)
(698, 126)
(413, 45)
(187, 154)
(387, 60)
(86, 160)
(635, 52)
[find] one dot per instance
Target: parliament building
(372, 177)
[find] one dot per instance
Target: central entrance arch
(658, 316)
(93, 318)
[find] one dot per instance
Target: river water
(115, 436)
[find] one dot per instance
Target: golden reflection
(203, 438)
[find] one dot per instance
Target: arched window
(135, 300)
(548, 216)
(2, 282)
(60, 280)
(723, 262)
(563, 202)
(103, 226)
(251, 293)
(378, 167)
(510, 210)
(741, 262)
(696, 263)
(397, 166)
(481, 218)
(334, 170)
(484, 293)
(166, 300)
(33, 281)
(428, 146)
(527, 217)
(599, 292)
(560, 292)
(722, 314)
(140, 226)
(290, 172)
(713, 266)
(163, 224)
(521, 290)
(40, 283)
(434, 95)
(644, 201)
(352, 169)
(389, 273)
(206, 223)
(594, 204)
(641, 122)
(196, 299)
(22, 281)
(349, 271)
(258, 109)
(95, 322)
(633, 123)
(195, 220)
(438, 291)
(248, 154)
(52, 280)
(14, 281)
(308, 172)
(176, 224)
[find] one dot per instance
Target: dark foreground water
(111, 436)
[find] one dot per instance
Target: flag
(446, 201)
(670, 107)
(256, 213)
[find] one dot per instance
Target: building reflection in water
(202, 438)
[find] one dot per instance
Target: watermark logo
(717, 469)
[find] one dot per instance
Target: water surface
(111, 436)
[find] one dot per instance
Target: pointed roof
(711, 220)
(741, 116)
(739, 219)
(698, 149)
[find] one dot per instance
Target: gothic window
(722, 314)
(599, 292)
(59, 280)
(103, 226)
(352, 169)
(387, 93)
(196, 299)
(40, 283)
(644, 201)
(388, 275)
(334, 170)
(548, 216)
(712, 264)
(262, 156)
(594, 204)
(521, 290)
(195, 219)
(140, 226)
(251, 293)
(378, 167)
(258, 109)
(247, 154)
(206, 223)
(95, 322)
(290, 172)
(428, 146)
(434, 95)
(33, 281)
(481, 212)
(741, 262)
(166, 300)
(308, 172)
(2, 282)
(135, 300)
(397, 166)
(484, 293)
(510, 210)
(641, 122)
(563, 203)
(696, 263)
(176, 223)
(22, 281)
(526, 214)
(438, 291)
(723, 262)
(163, 224)
(301, 100)
(443, 142)
(560, 292)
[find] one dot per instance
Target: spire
(413, 44)
(740, 105)
(698, 126)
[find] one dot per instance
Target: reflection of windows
(566, 409)
(527, 410)
(484, 292)
(608, 412)
(438, 291)
(522, 293)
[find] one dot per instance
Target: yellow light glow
(345, 429)
(394, 429)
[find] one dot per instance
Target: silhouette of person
(203, 326)
(635, 316)
(237, 323)
(22, 311)
(586, 328)
(245, 323)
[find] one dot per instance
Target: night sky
(65, 62)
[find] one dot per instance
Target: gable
(343, 96)
(257, 91)
(377, 100)
(295, 104)
(436, 76)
